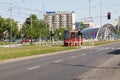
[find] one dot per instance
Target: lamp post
(10, 24)
(31, 29)
(100, 14)
(101, 20)
(90, 12)
(79, 35)
(2, 35)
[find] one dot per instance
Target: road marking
(90, 52)
(107, 48)
(112, 48)
(57, 61)
(83, 54)
(35, 67)
(96, 48)
(99, 50)
(73, 57)
(118, 48)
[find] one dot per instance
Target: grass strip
(9, 53)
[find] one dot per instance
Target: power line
(17, 10)
(16, 5)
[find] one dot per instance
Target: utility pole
(101, 19)
(10, 24)
(90, 12)
(43, 10)
(100, 14)
(52, 35)
(90, 9)
(2, 33)
(31, 20)
(31, 29)
(80, 37)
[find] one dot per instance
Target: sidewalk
(110, 70)
(13, 45)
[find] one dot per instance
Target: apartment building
(60, 19)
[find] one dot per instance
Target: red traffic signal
(109, 15)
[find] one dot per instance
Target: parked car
(26, 40)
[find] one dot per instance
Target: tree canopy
(5, 28)
(35, 28)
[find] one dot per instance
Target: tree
(44, 30)
(80, 25)
(1, 27)
(35, 28)
(119, 33)
(59, 33)
(29, 25)
(5, 27)
(14, 27)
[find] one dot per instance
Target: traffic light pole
(80, 41)
(31, 30)
(79, 36)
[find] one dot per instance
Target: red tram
(72, 38)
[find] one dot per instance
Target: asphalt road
(65, 66)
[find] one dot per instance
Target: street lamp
(100, 14)
(90, 12)
(10, 24)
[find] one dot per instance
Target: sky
(21, 9)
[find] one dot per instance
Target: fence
(48, 43)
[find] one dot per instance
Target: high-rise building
(60, 19)
(117, 23)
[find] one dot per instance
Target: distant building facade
(60, 19)
(19, 26)
(117, 23)
(89, 24)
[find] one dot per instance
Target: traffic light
(52, 33)
(79, 32)
(28, 21)
(109, 15)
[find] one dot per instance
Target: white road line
(107, 48)
(90, 52)
(99, 50)
(57, 61)
(96, 48)
(83, 54)
(35, 67)
(112, 48)
(73, 57)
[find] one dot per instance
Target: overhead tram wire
(28, 9)
(16, 5)
(3, 11)
(23, 11)
(96, 17)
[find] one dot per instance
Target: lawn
(8, 53)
